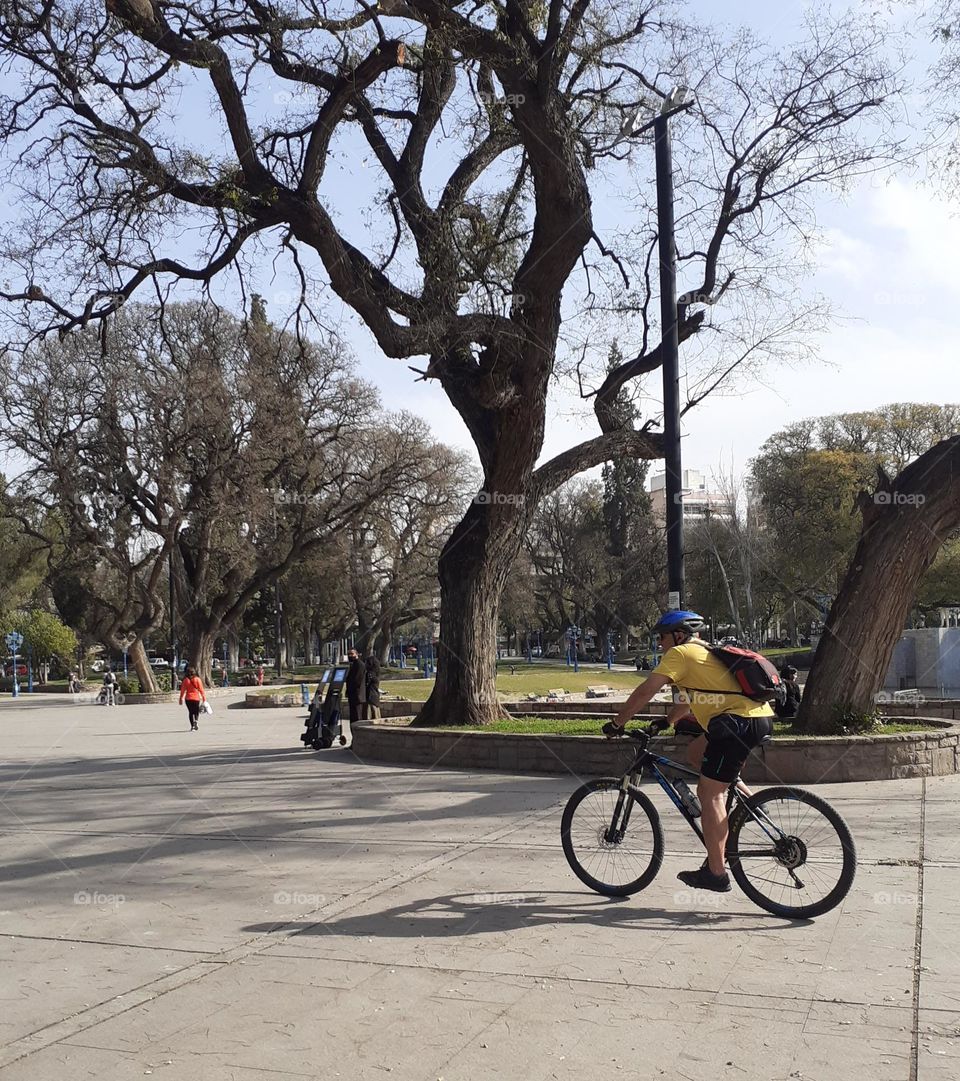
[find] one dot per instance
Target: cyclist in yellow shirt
(733, 725)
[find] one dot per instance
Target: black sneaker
(704, 879)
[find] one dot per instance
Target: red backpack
(758, 678)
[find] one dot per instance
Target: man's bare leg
(695, 749)
(713, 800)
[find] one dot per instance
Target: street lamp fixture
(680, 97)
(678, 100)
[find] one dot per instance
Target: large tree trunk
(382, 645)
(473, 570)
(145, 674)
(904, 525)
(201, 640)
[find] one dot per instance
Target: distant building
(698, 501)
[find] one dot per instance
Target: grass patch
(537, 678)
(529, 679)
(590, 726)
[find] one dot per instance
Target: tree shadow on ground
(155, 807)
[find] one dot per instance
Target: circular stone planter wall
(271, 701)
(788, 761)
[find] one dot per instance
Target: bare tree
(491, 127)
(116, 601)
(395, 545)
(105, 577)
(233, 449)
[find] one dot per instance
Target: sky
(886, 261)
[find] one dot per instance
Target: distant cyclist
(733, 725)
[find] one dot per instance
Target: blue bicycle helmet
(680, 621)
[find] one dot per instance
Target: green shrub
(847, 721)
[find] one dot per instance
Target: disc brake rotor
(791, 852)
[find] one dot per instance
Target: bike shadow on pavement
(456, 915)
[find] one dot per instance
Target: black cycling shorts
(730, 739)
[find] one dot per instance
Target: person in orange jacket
(192, 690)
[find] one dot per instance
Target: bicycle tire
(596, 826)
(845, 848)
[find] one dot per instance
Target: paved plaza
(224, 905)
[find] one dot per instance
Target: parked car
(8, 669)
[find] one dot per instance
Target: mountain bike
(788, 850)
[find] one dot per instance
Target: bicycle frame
(655, 764)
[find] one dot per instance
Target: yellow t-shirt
(692, 665)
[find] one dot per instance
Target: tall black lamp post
(676, 101)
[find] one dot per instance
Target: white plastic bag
(206, 708)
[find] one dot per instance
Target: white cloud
(844, 256)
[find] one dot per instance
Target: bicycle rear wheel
(609, 845)
(798, 860)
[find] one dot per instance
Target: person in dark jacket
(791, 707)
(356, 685)
(372, 687)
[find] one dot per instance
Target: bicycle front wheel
(612, 839)
(796, 858)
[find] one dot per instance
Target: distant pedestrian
(191, 690)
(110, 688)
(356, 686)
(259, 675)
(372, 687)
(791, 707)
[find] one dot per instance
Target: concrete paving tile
(183, 891)
(428, 1025)
(46, 980)
(940, 948)
(941, 839)
(939, 1046)
(317, 1017)
(564, 1031)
